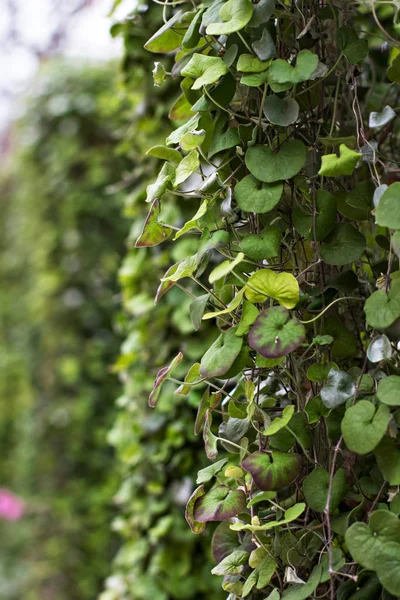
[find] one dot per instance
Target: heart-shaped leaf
(354, 48)
(269, 166)
(262, 246)
(205, 475)
(388, 210)
(219, 504)
(266, 283)
(167, 38)
(254, 196)
(320, 371)
(316, 486)
(291, 514)
(221, 355)
(233, 564)
(280, 422)
(325, 219)
(188, 165)
(389, 390)
(334, 166)
(338, 389)
(262, 12)
(224, 268)
(161, 377)
(164, 181)
(274, 334)
(387, 455)
(248, 63)
(272, 471)
(264, 47)
(379, 349)
(153, 232)
(343, 245)
(165, 153)
(366, 542)
(204, 70)
(235, 15)
(363, 426)
(388, 567)
(194, 525)
(281, 111)
(282, 72)
(382, 309)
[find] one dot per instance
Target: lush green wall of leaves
(61, 244)
(285, 146)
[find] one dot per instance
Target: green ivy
(286, 127)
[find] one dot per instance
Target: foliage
(275, 139)
(62, 240)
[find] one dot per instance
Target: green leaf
(338, 389)
(261, 497)
(153, 232)
(235, 15)
(334, 166)
(264, 568)
(204, 69)
(345, 343)
(274, 334)
(164, 153)
(382, 309)
(320, 371)
(164, 180)
(377, 119)
(221, 355)
(344, 245)
(316, 486)
(233, 305)
(366, 542)
(233, 564)
(188, 165)
(192, 224)
(192, 376)
(185, 268)
(254, 196)
(265, 46)
(161, 377)
(194, 525)
(192, 35)
(249, 315)
(224, 268)
(361, 197)
(167, 38)
(393, 71)
(387, 456)
(354, 48)
(280, 422)
(220, 504)
(363, 427)
(266, 283)
(197, 308)
(388, 567)
(192, 139)
(387, 212)
(262, 12)
(210, 440)
(248, 63)
(325, 220)
(315, 409)
(159, 74)
(269, 166)
(205, 475)
(272, 471)
(191, 125)
(281, 111)
(389, 390)
(254, 79)
(281, 71)
(262, 246)
(224, 136)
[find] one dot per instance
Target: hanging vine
(286, 151)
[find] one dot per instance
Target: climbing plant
(284, 152)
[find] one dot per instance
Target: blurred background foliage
(73, 185)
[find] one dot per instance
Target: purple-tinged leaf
(165, 285)
(220, 504)
(194, 525)
(274, 334)
(153, 232)
(161, 377)
(272, 471)
(225, 541)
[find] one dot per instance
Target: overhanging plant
(286, 151)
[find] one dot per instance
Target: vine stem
(329, 306)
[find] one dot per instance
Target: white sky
(35, 20)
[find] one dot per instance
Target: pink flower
(11, 507)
